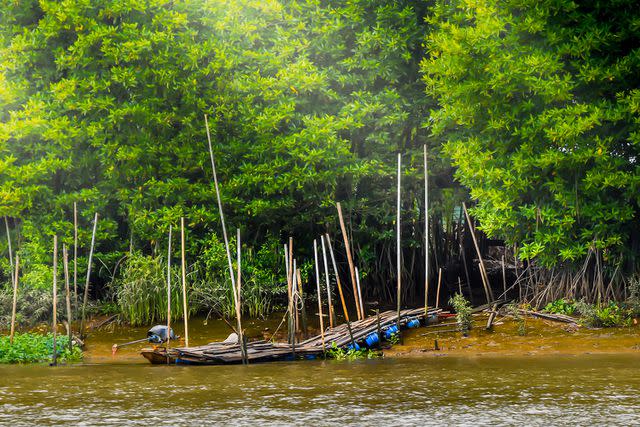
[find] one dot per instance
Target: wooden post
(426, 233)
(344, 306)
(294, 290)
(359, 293)
(168, 344)
(184, 284)
(483, 270)
(16, 274)
(55, 299)
(75, 254)
(224, 227)
(438, 291)
(315, 257)
(86, 283)
(6, 225)
(328, 283)
(347, 248)
(243, 345)
(289, 290)
(303, 310)
(65, 262)
(398, 248)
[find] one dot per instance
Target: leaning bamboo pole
(359, 292)
(6, 225)
(303, 310)
(168, 344)
(438, 290)
(67, 291)
(183, 267)
(15, 298)
(344, 305)
(398, 248)
(315, 258)
(86, 283)
(54, 324)
(483, 270)
(243, 347)
(328, 283)
(352, 272)
(426, 232)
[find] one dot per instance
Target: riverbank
(541, 337)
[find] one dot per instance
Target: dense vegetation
(533, 105)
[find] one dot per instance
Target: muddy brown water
(460, 389)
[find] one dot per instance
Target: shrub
(561, 306)
(463, 313)
(601, 316)
(34, 348)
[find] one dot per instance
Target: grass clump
(36, 348)
(351, 353)
(514, 310)
(463, 313)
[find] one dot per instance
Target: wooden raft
(220, 353)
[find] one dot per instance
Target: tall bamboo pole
(483, 270)
(289, 295)
(243, 348)
(224, 227)
(67, 291)
(185, 309)
(168, 344)
(6, 225)
(75, 254)
(328, 283)
(86, 283)
(359, 292)
(303, 309)
(55, 299)
(426, 232)
(315, 257)
(344, 305)
(438, 290)
(398, 248)
(352, 272)
(15, 298)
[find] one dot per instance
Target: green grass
(36, 348)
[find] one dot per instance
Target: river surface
(540, 390)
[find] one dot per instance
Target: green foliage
(602, 316)
(561, 306)
(34, 348)
(32, 306)
(633, 301)
(351, 354)
(538, 101)
(463, 313)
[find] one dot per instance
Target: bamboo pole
(344, 306)
(359, 292)
(168, 344)
(483, 270)
(6, 225)
(294, 290)
(243, 346)
(287, 271)
(504, 279)
(328, 283)
(55, 299)
(398, 249)
(16, 274)
(315, 257)
(291, 321)
(86, 283)
(75, 254)
(426, 233)
(438, 291)
(185, 309)
(65, 262)
(347, 248)
(303, 310)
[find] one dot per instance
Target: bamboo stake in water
(315, 257)
(328, 283)
(347, 248)
(185, 309)
(438, 291)
(303, 310)
(224, 227)
(483, 270)
(6, 225)
(359, 292)
(344, 306)
(426, 233)
(16, 274)
(55, 299)
(168, 344)
(398, 249)
(75, 255)
(65, 262)
(86, 283)
(243, 348)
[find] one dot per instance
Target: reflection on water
(436, 390)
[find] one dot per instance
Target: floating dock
(368, 332)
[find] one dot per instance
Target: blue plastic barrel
(350, 346)
(391, 330)
(372, 339)
(413, 323)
